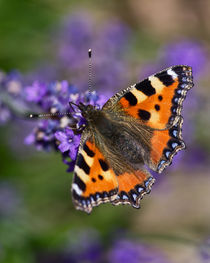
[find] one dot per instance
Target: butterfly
(137, 127)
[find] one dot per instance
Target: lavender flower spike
(68, 142)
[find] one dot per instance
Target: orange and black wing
(164, 145)
(156, 103)
(96, 182)
(133, 186)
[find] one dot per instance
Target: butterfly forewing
(157, 100)
(156, 103)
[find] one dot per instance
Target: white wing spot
(172, 73)
(76, 188)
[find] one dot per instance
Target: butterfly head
(87, 111)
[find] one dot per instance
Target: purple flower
(109, 44)
(186, 52)
(149, 69)
(35, 92)
(52, 100)
(5, 114)
(12, 104)
(30, 139)
(133, 252)
(78, 34)
(68, 142)
(54, 132)
(85, 247)
(197, 157)
(12, 83)
(117, 34)
(74, 40)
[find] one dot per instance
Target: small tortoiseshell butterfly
(140, 125)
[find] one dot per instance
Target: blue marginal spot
(105, 195)
(167, 153)
(84, 203)
(117, 198)
(174, 110)
(179, 91)
(134, 196)
(147, 183)
(140, 189)
(176, 100)
(124, 197)
(175, 133)
(183, 86)
(160, 164)
(174, 145)
(97, 196)
(88, 202)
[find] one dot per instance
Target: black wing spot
(131, 98)
(100, 177)
(104, 165)
(165, 78)
(88, 151)
(157, 107)
(146, 87)
(160, 97)
(79, 182)
(82, 164)
(144, 115)
(179, 70)
(93, 180)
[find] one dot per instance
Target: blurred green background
(40, 220)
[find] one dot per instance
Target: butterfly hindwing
(94, 181)
(164, 145)
(133, 186)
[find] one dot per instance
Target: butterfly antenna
(48, 115)
(90, 71)
(51, 115)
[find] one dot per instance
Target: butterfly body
(138, 126)
(122, 137)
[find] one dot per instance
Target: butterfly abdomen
(128, 147)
